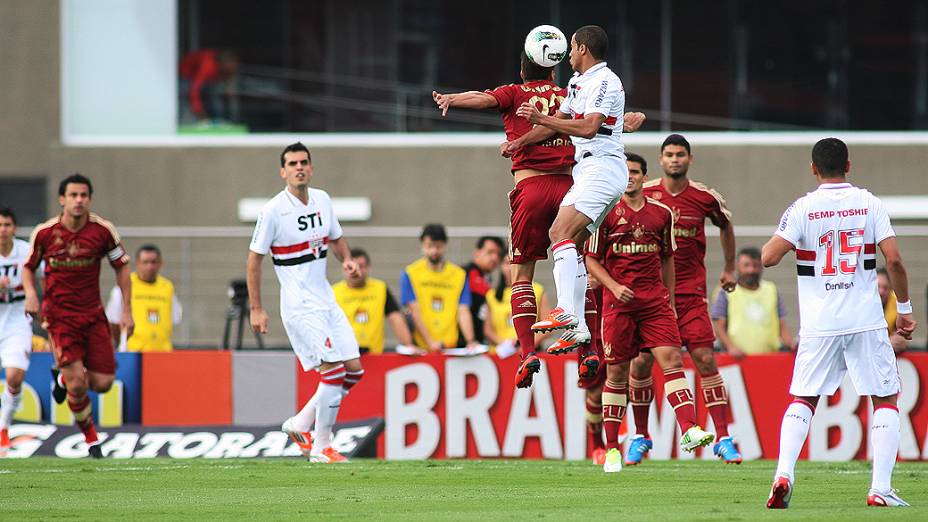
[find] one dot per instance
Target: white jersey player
(593, 115)
(15, 327)
(298, 228)
(835, 231)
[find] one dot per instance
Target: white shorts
(319, 336)
(15, 347)
(599, 182)
(867, 357)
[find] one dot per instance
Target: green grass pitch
(268, 489)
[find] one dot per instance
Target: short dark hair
(750, 251)
(295, 147)
(360, 252)
(74, 178)
(531, 71)
(595, 40)
(882, 271)
(8, 212)
(498, 241)
(435, 232)
(631, 156)
(830, 157)
(678, 140)
(148, 247)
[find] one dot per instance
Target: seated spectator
(207, 82)
(486, 259)
(436, 295)
(368, 303)
(498, 328)
(751, 319)
(888, 297)
(155, 308)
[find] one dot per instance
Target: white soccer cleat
(613, 462)
(302, 439)
(696, 437)
(886, 499)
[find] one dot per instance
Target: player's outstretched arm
(464, 100)
(774, 250)
(899, 279)
(253, 279)
(538, 134)
(585, 127)
(124, 282)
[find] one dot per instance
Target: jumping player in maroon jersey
(541, 170)
(692, 203)
(631, 255)
(71, 245)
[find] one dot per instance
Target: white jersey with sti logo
(597, 90)
(12, 295)
(835, 231)
(297, 236)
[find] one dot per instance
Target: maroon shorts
(83, 338)
(533, 205)
(626, 333)
(693, 322)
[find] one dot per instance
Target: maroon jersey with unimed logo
(72, 264)
(690, 210)
(630, 245)
(556, 153)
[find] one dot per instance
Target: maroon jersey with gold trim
(554, 154)
(690, 210)
(72, 263)
(631, 245)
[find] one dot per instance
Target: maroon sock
(615, 399)
(678, 393)
(640, 394)
(80, 407)
(716, 398)
(524, 314)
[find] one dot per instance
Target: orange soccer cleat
(569, 341)
(4, 442)
(303, 439)
(529, 366)
(556, 319)
(328, 456)
(599, 456)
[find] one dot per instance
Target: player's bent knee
(887, 400)
(101, 383)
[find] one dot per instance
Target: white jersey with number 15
(835, 230)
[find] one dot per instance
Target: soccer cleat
(695, 437)
(5, 445)
(557, 319)
(637, 449)
(589, 367)
(95, 451)
(529, 366)
(725, 449)
(613, 463)
(887, 499)
(569, 341)
(302, 439)
(781, 492)
(328, 456)
(59, 392)
(599, 456)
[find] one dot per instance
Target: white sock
(580, 286)
(9, 403)
(330, 400)
(306, 417)
(884, 436)
(793, 433)
(566, 274)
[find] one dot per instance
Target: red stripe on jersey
(869, 248)
(610, 120)
(805, 255)
(291, 249)
(578, 116)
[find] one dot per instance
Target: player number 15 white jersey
(835, 230)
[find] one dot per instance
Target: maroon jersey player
(631, 255)
(692, 203)
(71, 246)
(541, 168)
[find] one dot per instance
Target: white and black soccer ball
(546, 45)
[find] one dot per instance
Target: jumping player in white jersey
(15, 330)
(835, 231)
(593, 116)
(298, 227)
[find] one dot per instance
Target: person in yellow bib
(751, 319)
(498, 327)
(369, 304)
(436, 294)
(155, 307)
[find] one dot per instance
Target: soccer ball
(546, 45)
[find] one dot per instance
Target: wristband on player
(904, 308)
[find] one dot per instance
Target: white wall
(119, 67)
